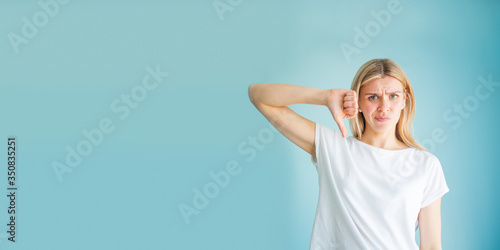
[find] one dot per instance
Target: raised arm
(271, 99)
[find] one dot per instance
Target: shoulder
(425, 159)
(327, 132)
(329, 139)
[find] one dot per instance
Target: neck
(385, 140)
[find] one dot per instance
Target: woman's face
(381, 101)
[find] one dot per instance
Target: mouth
(382, 119)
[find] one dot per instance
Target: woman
(377, 186)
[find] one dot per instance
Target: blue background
(126, 193)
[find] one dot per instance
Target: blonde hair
(378, 68)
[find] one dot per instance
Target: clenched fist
(342, 103)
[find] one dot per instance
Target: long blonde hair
(378, 68)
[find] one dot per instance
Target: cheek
(398, 111)
(369, 107)
(399, 105)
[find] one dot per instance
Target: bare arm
(429, 222)
(282, 94)
(271, 99)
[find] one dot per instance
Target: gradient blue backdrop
(126, 193)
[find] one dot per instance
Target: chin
(383, 126)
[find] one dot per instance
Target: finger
(353, 115)
(349, 98)
(355, 96)
(350, 112)
(350, 104)
(340, 123)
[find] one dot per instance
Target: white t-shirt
(369, 197)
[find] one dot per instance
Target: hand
(342, 103)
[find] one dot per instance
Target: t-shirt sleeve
(314, 158)
(435, 186)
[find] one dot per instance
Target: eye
(370, 97)
(396, 96)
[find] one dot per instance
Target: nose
(384, 105)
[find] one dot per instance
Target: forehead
(387, 83)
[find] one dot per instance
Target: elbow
(435, 246)
(251, 93)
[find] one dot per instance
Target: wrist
(327, 97)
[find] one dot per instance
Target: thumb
(340, 123)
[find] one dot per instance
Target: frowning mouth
(382, 119)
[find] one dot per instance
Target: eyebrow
(393, 92)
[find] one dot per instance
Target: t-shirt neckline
(364, 144)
